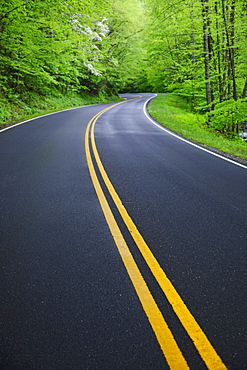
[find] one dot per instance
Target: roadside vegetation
(56, 55)
(174, 112)
(34, 105)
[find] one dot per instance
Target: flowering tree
(52, 44)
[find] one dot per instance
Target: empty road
(122, 246)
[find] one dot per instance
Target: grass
(14, 111)
(175, 113)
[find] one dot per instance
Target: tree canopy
(194, 48)
(78, 45)
(197, 49)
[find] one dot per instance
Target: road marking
(201, 342)
(163, 334)
(185, 140)
(43, 115)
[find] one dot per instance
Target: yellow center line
(163, 334)
(200, 340)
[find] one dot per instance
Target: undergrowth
(33, 105)
(175, 113)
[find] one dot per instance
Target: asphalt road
(67, 301)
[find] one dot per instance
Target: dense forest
(194, 48)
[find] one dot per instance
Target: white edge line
(44, 115)
(187, 141)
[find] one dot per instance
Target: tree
(196, 43)
(194, 48)
(208, 53)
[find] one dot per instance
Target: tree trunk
(232, 49)
(244, 93)
(229, 31)
(220, 82)
(207, 42)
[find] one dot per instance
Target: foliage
(228, 116)
(193, 48)
(197, 49)
(55, 46)
(174, 112)
(36, 105)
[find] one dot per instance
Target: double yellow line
(169, 347)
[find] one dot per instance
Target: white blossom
(92, 69)
(101, 27)
(98, 30)
(104, 29)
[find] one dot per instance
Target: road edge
(12, 125)
(213, 151)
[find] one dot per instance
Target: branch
(7, 14)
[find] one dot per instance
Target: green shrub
(228, 116)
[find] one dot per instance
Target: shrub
(228, 116)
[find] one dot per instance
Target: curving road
(122, 246)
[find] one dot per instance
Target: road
(122, 246)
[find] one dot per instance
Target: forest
(196, 49)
